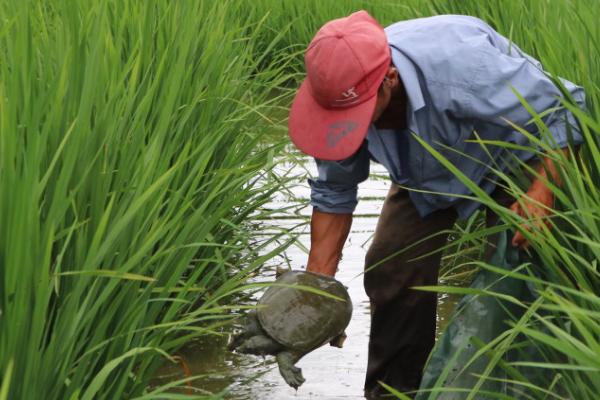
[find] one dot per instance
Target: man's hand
(535, 205)
(539, 201)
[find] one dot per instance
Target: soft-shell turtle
(291, 322)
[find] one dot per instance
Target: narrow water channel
(330, 373)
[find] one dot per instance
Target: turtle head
(246, 327)
(236, 337)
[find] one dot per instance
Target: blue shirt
(459, 76)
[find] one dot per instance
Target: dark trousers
(403, 320)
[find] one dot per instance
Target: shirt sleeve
(491, 97)
(335, 189)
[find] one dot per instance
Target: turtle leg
(251, 328)
(259, 345)
(292, 374)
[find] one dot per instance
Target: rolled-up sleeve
(491, 97)
(562, 123)
(335, 188)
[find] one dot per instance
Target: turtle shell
(300, 319)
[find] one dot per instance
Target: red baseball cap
(345, 64)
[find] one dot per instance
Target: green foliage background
(133, 154)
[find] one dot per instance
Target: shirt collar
(410, 79)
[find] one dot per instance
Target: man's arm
(334, 198)
(490, 99)
(328, 233)
(539, 192)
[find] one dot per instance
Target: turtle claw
(290, 373)
(339, 340)
(293, 376)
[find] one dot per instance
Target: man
(368, 95)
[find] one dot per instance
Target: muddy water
(330, 373)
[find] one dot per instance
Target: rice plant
(131, 159)
(133, 155)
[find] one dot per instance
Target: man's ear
(393, 78)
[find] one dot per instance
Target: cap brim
(325, 133)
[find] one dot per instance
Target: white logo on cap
(349, 97)
(350, 93)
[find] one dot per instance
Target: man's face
(384, 95)
(389, 86)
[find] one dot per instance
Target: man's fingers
(535, 214)
(516, 207)
(518, 239)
